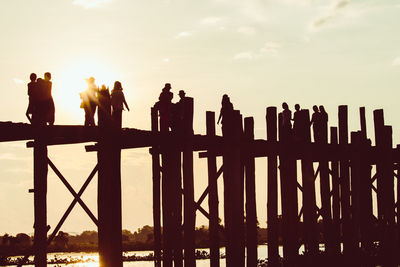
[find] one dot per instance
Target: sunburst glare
(70, 81)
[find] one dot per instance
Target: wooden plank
(155, 155)
(251, 212)
(355, 164)
(272, 189)
(213, 194)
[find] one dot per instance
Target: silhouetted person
(286, 124)
(164, 107)
(226, 113)
(44, 111)
(104, 103)
(32, 93)
(89, 101)
(316, 124)
(324, 124)
(117, 103)
(296, 122)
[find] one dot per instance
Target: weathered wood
(272, 190)
(288, 178)
(309, 203)
(155, 155)
(40, 171)
(355, 162)
(325, 194)
(349, 246)
(188, 184)
(336, 226)
(251, 212)
(109, 188)
(213, 194)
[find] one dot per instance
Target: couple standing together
(41, 104)
(90, 101)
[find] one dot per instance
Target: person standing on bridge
(32, 93)
(45, 109)
(89, 101)
(164, 107)
(226, 113)
(117, 104)
(316, 124)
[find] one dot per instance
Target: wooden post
(272, 189)
(251, 212)
(188, 186)
(155, 154)
(309, 205)
(233, 195)
(385, 188)
(40, 170)
(213, 193)
(335, 198)
(288, 176)
(325, 194)
(349, 245)
(109, 187)
(355, 138)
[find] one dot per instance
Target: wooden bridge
(349, 173)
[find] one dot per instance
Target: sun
(70, 81)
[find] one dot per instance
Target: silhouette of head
(285, 105)
(117, 85)
(47, 76)
(297, 107)
(103, 87)
(315, 108)
(322, 109)
(182, 93)
(33, 77)
(167, 86)
(225, 99)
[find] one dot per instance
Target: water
(92, 259)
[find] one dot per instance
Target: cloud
(248, 55)
(18, 81)
(90, 3)
(211, 21)
(270, 48)
(246, 30)
(329, 13)
(183, 35)
(396, 61)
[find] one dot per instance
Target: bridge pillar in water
(109, 187)
(40, 171)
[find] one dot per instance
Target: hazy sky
(261, 53)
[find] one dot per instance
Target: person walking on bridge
(117, 103)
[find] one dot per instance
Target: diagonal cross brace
(207, 190)
(71, 206)
(69, 187)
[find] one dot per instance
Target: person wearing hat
(89, 101)
(164, 106)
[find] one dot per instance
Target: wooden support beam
(272, 190)
(207, 190)
(213, 193)
(289, 199)
(251, 212)
(325, 195)
(308, 182)
(40, 171)
(349, 241)
(155, 156)
(355, 165)
(109, 186)
(188, 184)
(72, 191)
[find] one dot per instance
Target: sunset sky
(261, 53)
